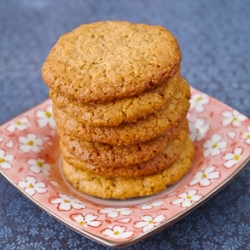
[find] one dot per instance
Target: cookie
(129, 133)
(104, 61)
(105, 155)
(161, 161)
(123, 188)
(119, 111)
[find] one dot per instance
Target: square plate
(30, 160)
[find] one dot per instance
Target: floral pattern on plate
(30, 160)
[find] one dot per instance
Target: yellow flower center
(189, 197)
(234, 119)
(18, 123)
(214, 146)
(116, 233)
(48, 114)
(30, 186)
(198, 98)
(150, 222)
(204, 176)
(82, 223)
(30, 143)
(118, 211)
(66, 201)
(2, 160)
(248, 136)
(39, 164)
(236, 157)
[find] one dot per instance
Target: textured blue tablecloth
(215, 41)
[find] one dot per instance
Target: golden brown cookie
(159, 162)
(105, 155)
(123, 188)
(129, 133)
(103, 61)
(119, 111)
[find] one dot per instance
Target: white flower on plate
(115, 212)
(232, 158)
(66, 202)
(233, 117)
(204, 177)
(198, 101)
(89, 220)
(20, 125)
(32, 186)
(214, 146)
(198, 129)
(30, 142)
(117, 232)
(39, 166)
(148, 222)
(187, 199)
(5, 160)
(45, 117)
(246, 136)
(150, 205)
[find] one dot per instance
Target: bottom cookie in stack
(127, 187)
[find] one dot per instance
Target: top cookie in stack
(120, 105)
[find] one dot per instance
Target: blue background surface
(215, 41)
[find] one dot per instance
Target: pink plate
(30, 160)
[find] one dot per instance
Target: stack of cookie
(120, 106)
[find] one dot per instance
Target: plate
(30, 160)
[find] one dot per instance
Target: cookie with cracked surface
(159, 162)
(110, 156)
(129, 133)
(119, 111)
(103, 61)
(124, 188)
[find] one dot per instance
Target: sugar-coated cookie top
(103, 61)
